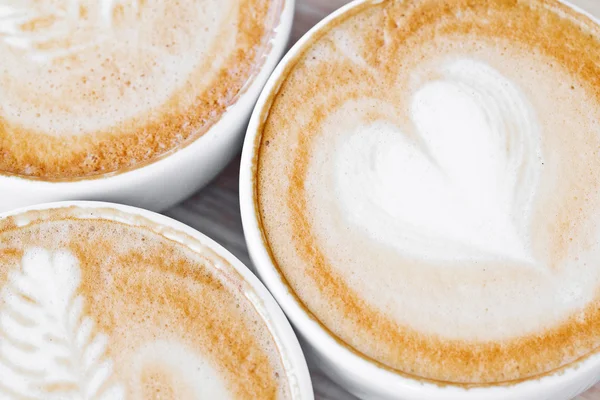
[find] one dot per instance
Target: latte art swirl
(104, 86)
(45, 30)
(462, 185)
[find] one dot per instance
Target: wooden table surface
(215, 210)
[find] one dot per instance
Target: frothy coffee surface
(90, 88)
(98, 309)
(428, 183)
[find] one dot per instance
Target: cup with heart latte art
(138, 102)
(104, 301)
(420, 192)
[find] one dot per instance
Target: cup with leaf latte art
(125, 93)
(420, 191)
(103, 301)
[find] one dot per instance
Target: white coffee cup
(291, 354)
(348, 368)
(172, 178)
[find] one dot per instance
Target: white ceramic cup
(352, 371)
(172, 178)
(288, 346)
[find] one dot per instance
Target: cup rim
(353, 362)
(289, 347)
(225, 123)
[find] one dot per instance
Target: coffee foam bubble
(441, 194)
(84, 314)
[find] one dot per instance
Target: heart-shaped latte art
(462, 184)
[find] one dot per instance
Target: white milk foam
(184, 367)
(461, 188)
(64, 19)
(453, 190)
(73, 67)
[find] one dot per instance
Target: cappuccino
(99, 304)
(427, 180)
(93, 88)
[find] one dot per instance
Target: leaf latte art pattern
(48, 346)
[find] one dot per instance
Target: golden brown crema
(428, 179)
(98, 309)
(90, 88)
